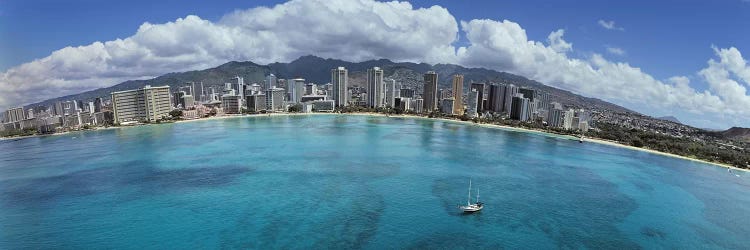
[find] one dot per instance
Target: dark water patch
(653, 233)
(452, 240)
(36, 192)
(318, 221)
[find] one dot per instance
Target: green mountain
(317, 70)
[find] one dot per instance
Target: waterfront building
(446, 106)
(458, 94)
(390, 93)
(319, 106)
(510, 91)
(407, 93)
(568, 119)
(417, 105)
(231, 104)
(496, 98)
(375, 87)
(519, 108)
(555, 115)
(14, 115)
(144, 104)
(297, 87)
(430, 91)
(404, 103)
(275, 99)
(479, 88)
(340, 81)
(256, 103)
(472, 99)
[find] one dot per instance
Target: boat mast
(468, 201)
(477, 195)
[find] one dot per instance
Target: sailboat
(470, 208)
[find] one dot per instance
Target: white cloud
(364, 29)
(505, 46)
(610, 25)
(349, 30)
(615, 51)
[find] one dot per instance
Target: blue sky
(662, 38)
(665, 38)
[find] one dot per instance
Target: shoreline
(411, 116)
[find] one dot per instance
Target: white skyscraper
(375, 87)
(340, 82)
(296, 89)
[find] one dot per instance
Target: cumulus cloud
(505, 46)
(610, 25)
(350, 30)
(615, 51)
(365, 29)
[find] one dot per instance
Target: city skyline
(710, 92)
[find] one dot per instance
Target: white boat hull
(471, 208)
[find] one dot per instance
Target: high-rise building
(145, 104)
(458, 94)
(14, 115)
(430, 91)
(188, 101)
(231, 104)
(58, 109)
(256, 102)
(544, 101)
(472, 98)
(91, 107)
(178, 101)
(296, 89)
(510, 92)
(496, 98)
(375, 87)
(417, 105)
(390, 93)
(340, 81)
(97, 105)
(555, 115)
(238, 85)
(275, 99)
(479, 87)
(270, 81)
(519, 108)
(568, 119)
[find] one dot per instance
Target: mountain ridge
(317, 70)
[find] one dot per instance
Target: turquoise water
(331, 181)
